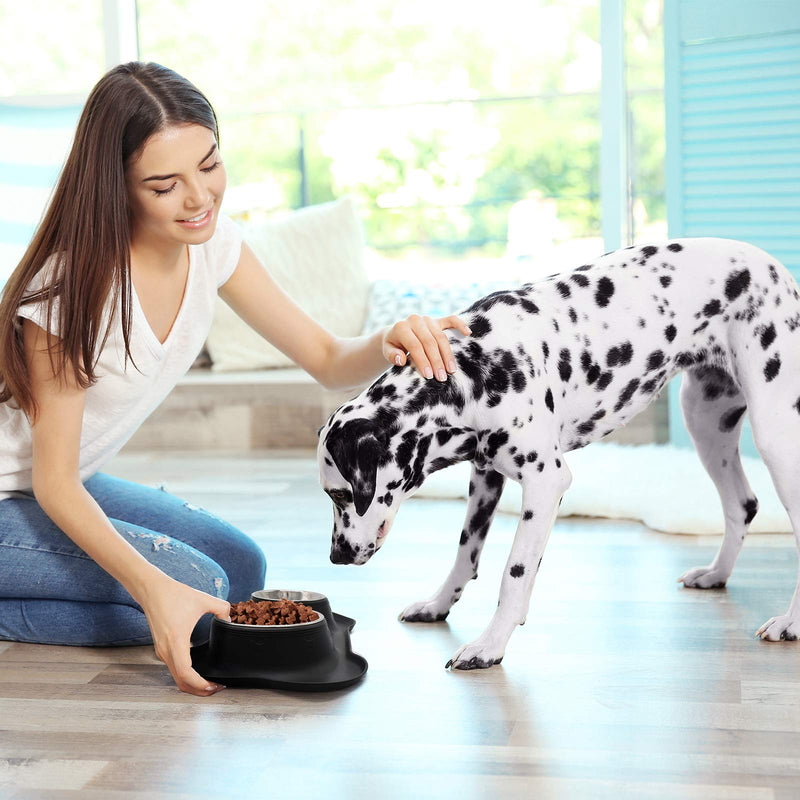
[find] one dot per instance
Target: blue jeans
(52, 592)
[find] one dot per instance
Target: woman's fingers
(186, 678)
(424, 340)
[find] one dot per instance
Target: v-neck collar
(158, 347)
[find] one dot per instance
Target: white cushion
(316, 255)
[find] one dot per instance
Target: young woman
(109, 306)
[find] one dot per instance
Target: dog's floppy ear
(356, 451)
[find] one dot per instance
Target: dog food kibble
(271, 612)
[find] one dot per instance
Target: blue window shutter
(34, 141)
(732, 94)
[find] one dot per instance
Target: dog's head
(353, 455)
(377, 449)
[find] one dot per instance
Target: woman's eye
(162, 192)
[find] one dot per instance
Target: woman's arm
(172, 609)
(335, 362)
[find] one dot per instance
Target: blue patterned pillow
(391, 301)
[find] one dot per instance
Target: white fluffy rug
(664, 487)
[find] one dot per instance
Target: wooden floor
(621, 684)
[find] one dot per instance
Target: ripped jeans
(52, 592)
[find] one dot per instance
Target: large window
(470, 133)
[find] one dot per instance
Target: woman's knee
(177, 559)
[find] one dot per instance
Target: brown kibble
(271, 612)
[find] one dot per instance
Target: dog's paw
(703, 578)
(424, 611)
(783, 628)
(474, 656)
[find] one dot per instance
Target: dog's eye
(337, 495)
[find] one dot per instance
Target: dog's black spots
(495, 441)
(434, 393)
(648, 252)
(531, 457)
(585, 427)
(580, 280)
(655, 360)
(665, 280)
(558, 463)
(674, 247)
(393, 484)
(750, 508)
(444, 436)
(519, 460)
(416, 474)
(563, 289)
(773, 273)
(670, 332)
(494, 480)
(441, 463)
(555, 325)
(387, 498)
(545, 350)
(584, 267)
(473, 556)
(485, 303)
(471, 488)
(548, 400)
(700, 328)
(464, 537)
(788, 637)
(573, 315)
(480, 326)
(626, 394)
(712, 308)
(405, 450)
(540, 466)
(527, 515)
(619, 355)
(772, 368)
(328, 461)
(736, 283)
(564, 366)
(385, 419)
(377, 392)
(768, 335)
(729, 420)
(604, 291)
(517, 570)
(346, 520)
(518, 381)
(604, 380)
(422, 420)
(529, 305)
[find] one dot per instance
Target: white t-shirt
(123, 396)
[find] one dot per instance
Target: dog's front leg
(485, 488)
(541, 496)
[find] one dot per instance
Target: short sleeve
(225, 248)
(37, 311)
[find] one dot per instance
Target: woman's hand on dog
(421, 338)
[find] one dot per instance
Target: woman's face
(178, 176)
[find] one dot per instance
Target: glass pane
(439, 117)
(50, 48)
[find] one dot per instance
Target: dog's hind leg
(775, 419)
(713, 408)
(541, 496)
(485, 488)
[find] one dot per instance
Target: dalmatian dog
(561, 362)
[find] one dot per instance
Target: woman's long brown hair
(86, 227)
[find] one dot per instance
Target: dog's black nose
(338, 557)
